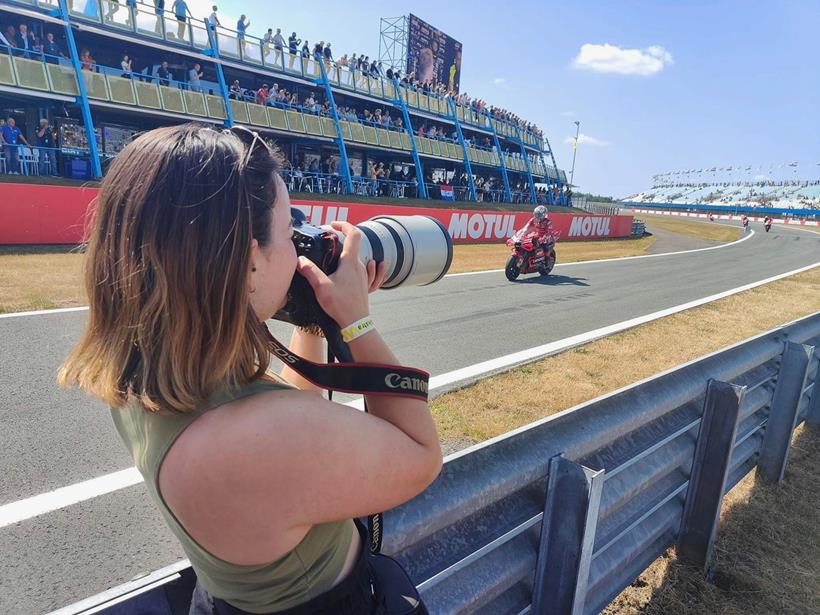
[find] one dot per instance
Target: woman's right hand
(343, 295)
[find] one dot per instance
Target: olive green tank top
(302, 574)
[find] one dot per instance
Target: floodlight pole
(574, 152)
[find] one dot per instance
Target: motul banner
(36, 214)
(467, 226)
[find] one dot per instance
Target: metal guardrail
(561, 515)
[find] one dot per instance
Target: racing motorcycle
(529, 255)
(767, 224)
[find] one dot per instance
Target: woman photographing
(257, 475)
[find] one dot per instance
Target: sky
(657, 85)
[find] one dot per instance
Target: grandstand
(791, 194)
(101, 71)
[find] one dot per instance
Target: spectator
(328, 55)
(47, 156)
(181, 13)
(52, 49)
(241, 26)
(305, 51)
(125, 63)
(160, 11)
(4, 41)
(278, 46)
(164, 74)
(11, 36)
(262, 95)
(267, 40)
(12, 137)
(194, 78)
(213, 18)
(86, 61)
(389, 73)
(25, 41)
(235, 91)
(293, 47)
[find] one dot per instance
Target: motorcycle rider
(767, 223)
(745, 221)
(540, 226)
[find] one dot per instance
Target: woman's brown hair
(166, 269)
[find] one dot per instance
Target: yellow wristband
(358, 328)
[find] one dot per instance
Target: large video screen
(433, 56)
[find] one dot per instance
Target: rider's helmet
(540, 213)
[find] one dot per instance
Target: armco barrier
(561, 515)
(35, 214)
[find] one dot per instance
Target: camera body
(321, 246)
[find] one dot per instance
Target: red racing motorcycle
(529, 255)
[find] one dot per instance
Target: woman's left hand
(375, 275)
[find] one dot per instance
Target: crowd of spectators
(22, 41)
(27, 44)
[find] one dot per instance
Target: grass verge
(702, 230)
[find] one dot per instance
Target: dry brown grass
(501, 403)
(481, 257)
(702, 230)
(766, 555)
(40, 281)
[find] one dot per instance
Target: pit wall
(36, 214)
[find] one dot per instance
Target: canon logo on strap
(396, 381)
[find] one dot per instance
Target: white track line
(624, 258)
(66, 496)
(449, 275)
(89, 489)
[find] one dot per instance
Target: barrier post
(401, 104)
(213, 52)
(82, 99)
(813, 416)
(774, 450)
(710, 468)
(467, 167)
(567, 538)
(504, 176)
(340, 136)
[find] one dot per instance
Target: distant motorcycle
(767, 224)
(529, 255)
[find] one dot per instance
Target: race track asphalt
(50, 438)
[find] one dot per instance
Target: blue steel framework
(468, 168)
(82, 99)
(213, 52)
(504, 176)
(58, 9)
(340, 141)
(531, 181)
(399, 102)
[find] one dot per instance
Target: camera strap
(364, 378)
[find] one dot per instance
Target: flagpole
(574, 152)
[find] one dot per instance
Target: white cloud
(499, 81)
(587, 140)
(608, 58)
(568, 113)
